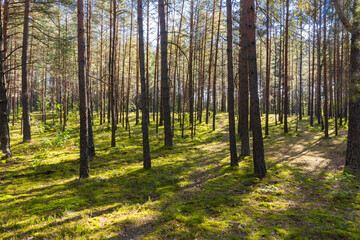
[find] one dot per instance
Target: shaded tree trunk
(4, 121)
(286, 78)
(353, 143)
(243, 85)
(88, 82)
(215, 66)
(165, 95)
(144, 105)
(268, 57)
(326, 110)
(25, 98)
(255, 122)
(232, 134)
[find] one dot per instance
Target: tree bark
(353, 143)
(326, 106)
(4, 120)
(286, 78)
(255, 122)
(25, 98)
(232, 134)
(215, 66)
(84, 140)
(243, 84)
(144, 105)
(165, 95)
(268, 56)
(88, 82)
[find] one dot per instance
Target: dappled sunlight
(190, 192)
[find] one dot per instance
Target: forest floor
(191, 192)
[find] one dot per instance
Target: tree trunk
(190, 69)
(210, 64)
(255, 122)
(165, 95)
(286, 79)
(84, 140)
(4, 121)
(25, 98)
(232, 134)
(353, 143)
(268, 56)
(215, 66)
(326, 110)
(244, 84)
(88, 83)
(144, 105)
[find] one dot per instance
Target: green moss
(190, 192)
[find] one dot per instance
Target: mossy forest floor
(191, 192)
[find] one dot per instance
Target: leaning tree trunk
(25, 98)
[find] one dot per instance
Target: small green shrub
(60, 141)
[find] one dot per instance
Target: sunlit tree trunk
(84, 140)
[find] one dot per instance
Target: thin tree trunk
(25, 98)
(268, 57)
(286, 79)
(144, 105)
(164, 76)
(190, 69)
(215, 65)
(232, 134)
(210, 63)
(326, 110)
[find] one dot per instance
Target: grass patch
(190, 193)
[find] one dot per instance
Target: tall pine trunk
(144, 105)
(165, 95)
(4, 121)
(243, 85)
(232, 134)
(84, 140)
(255, 122)
(25, 97)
